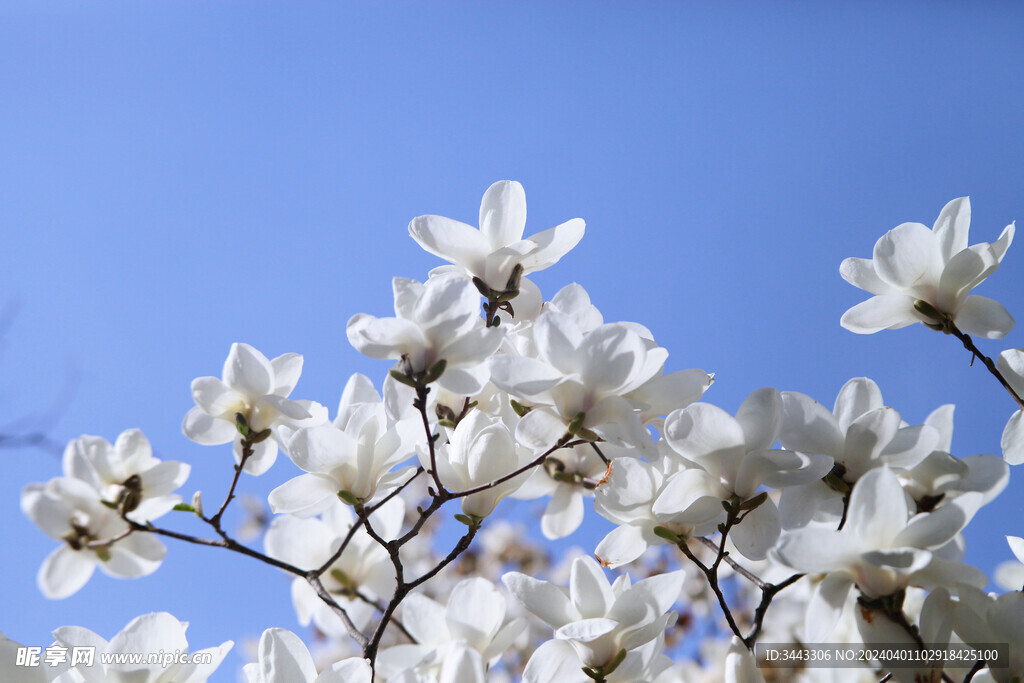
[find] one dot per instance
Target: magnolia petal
(564, 512)
(463, 665)
(586, 630)
(702, 431)
(613, 358)
(758, 532)
(553, 244)
(321, 449)
(287, 370)
(621, 546)
(813, 550)
(523, 377)
(941, 420)
(207, 430)
(284, 657)
(858, 396)
(878, 508)
(589, 589)
(1012, 440)
(248, 371)
(558, 341)
(906, 255)
(574, 301)
(349, 670)
(984, 317)
(881, 312)
(826, 605)
(264, 454)
(933, 529)
(135, 556)
(450, 240)
(952, 226)
(963, 273)
(808, 426)
(64, 572)
(860, 272)
(503, 213)
(759, 417)
(383, 338)
(545, 600)
(298, 495)
(1005, 240)
(539, 430)
(475, 612)
(1011, 365)
(555, 660)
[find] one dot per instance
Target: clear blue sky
(177, 176)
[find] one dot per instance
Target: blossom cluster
(842, 523)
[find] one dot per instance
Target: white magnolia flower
(597, 618)
(474, 618)
(436, 321)
(860, 434)
(353, 456)
(638, 497)
(157, 633)
(364, 568)
(1011, 365)
(738, 452)
(883, 548)
(583, 377)
(936, 266)
(126, 474)
(480, 450)
(70, 511)
(283, 658)
(492, 252)
(256, 388)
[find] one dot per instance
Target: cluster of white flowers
(787, 513)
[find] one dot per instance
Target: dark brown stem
(976, 353)
(214, 521)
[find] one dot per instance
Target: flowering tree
(785, 526)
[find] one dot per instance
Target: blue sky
(177, 176)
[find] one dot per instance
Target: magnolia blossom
(157, 633)
(352, 457)
(860, 433)
(126, 474)
(283, 658)
(1011, 365)
(69, 510)
(480, 451)
(258, 390)
(639, 497)
(883, 548)
(912, 263)
(597, 618)
(474, 618)
(583, 377)
(437, 328)
(738, 452)
(492, 252)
